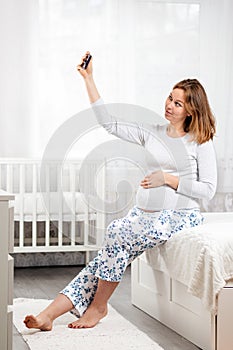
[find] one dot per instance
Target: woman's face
(175, 111)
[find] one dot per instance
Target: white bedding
(201, 258)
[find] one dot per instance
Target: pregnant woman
(183, 171)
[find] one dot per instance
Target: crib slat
(60, 205)
(73, 201)
(101, 216)
(47, 203)
(34, 204)
(21, 194)
(1, 175)
(86, 216)
(9, 170)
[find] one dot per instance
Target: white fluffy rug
(113, 332)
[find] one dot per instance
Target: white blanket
(201, 258)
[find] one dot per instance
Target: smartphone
(86, 61)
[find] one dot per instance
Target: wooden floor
(45, 282)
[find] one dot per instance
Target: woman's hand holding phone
(85, 66)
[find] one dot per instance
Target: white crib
(51, 214)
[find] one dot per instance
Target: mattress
(67, 202)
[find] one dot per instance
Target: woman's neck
(173, 131)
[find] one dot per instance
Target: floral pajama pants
(126, 239)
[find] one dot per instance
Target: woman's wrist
(88, 78)
(91, 88)
(171, 180)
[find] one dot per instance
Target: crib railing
(51, 212)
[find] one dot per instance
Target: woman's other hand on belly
(155, 179)
(158, 179)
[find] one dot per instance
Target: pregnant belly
(153, 199)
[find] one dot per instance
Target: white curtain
(18, 71)
(140, 49)
(216, 72)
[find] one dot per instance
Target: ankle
(102, 308)
(45, 316)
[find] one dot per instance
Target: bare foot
(90, 318)
(40, 322)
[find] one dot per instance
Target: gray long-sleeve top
(194, 164)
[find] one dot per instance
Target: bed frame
(168, 301)
(43, 228)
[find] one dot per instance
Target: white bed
(187, 283)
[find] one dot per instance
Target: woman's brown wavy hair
(200, 122)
